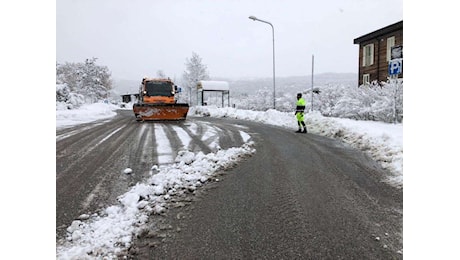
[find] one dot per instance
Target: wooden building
(375, 51)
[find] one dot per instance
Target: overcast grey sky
(136, 38)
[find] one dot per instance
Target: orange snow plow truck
(157, 101)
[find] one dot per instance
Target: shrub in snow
(367, 102)
(375, 102)
(372, 102)
(62, 92)
(65, 99)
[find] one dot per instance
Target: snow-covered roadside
(85, 114)
(382, 141)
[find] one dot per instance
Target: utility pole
(312, 70)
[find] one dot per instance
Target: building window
(390, 44)
(366, 79)
(368, 55)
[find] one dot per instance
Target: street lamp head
(252, 17)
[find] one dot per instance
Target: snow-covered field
(106, 234)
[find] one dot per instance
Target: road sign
(395, 67)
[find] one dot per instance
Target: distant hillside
(249, 87)
(290, 84)
(125, 86)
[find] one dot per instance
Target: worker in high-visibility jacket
(299, 110)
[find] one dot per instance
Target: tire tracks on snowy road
(298, 197)
(91, 158)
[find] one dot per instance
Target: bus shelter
(206, 86)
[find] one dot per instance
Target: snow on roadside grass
(271, 116)
(86, 113)
(382, 141)
(106, 235)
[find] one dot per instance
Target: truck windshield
(155, 88)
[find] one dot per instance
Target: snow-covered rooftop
(208, 85)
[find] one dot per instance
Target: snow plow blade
(160, 112)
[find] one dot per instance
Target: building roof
(213, 85)
(375, 34)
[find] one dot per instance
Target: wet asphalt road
(91, 158)
(298, 197)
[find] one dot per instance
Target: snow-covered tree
(377, 102)
(264, 99)
(95, 80)
(65, 99)
(161, 74)
(87, 81)
(195, 71)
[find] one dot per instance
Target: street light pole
(273, 36)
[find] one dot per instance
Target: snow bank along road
(298, 196)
